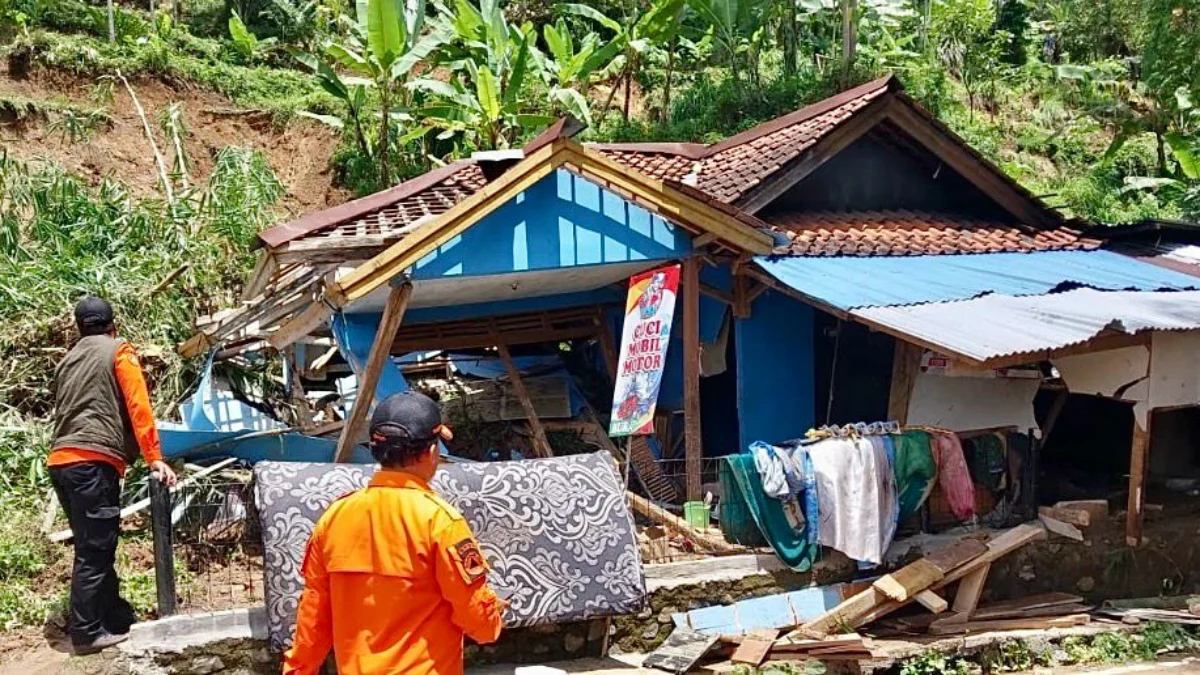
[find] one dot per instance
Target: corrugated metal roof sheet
(997, 326)
(850, 282)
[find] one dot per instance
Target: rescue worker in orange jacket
(102, 421)
(393, 575)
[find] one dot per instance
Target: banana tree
(735, 24)
(491, 62)
(570, 65)
(1184, 186)
(656, 27)
(383, 44)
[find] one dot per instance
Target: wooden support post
(1136, 513)
(969, 590)
(741, 299)
(905, 365)
(540, 444)
(694, 449)
(164, 553)
(609, 347)
(381, 349)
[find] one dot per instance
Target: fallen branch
(65, 535)
(158, 158)
(162, 285)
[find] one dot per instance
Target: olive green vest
(89, 409)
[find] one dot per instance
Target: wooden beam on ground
(541, 445)
(381, 348)
(932, 601)
(694, 449)
(906, 363)
(656, 513)
(1136, 513)
(909, 580)
(1078, 517)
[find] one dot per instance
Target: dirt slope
(299, 153)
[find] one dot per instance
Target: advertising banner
(649, 310)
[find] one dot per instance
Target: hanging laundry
(885, 456)
(852, 499)
(790, 543)
(770, 470)
(915, 471)
(989, 461)
(953, 475)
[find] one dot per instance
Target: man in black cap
(102, 421)
(393, 577)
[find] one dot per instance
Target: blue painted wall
(561, 221)
(775, 369)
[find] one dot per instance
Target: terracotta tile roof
(729, 169)
(878, 233)
(388, 211)
(395, 219)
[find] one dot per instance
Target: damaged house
(852, 262)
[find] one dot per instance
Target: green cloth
(989, 461)
(915, 471)
(790, 543)
(737, 523)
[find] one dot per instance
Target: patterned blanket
(557, 533)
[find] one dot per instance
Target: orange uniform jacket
(393, 580)
(141, 414)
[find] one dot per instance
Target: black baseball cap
(93, 312)
(408, 416)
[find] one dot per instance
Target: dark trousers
(90, 493)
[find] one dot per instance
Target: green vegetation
(1147, 644)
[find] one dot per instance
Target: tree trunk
(384, 132)
(849, 38)
(612, 94)
(1162, 153)
(112, 25)
(628, 94)
(666, 111)
(790, 41)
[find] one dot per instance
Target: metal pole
(164, 554)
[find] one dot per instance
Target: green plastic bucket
(697, 514)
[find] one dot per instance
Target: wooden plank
(943, 627)
(969, 591)
(664, 517)
(752, 651)
(1061, 529)
(909, 580)
(1037, 612)
(1097, 508)
(540, 444)
(1072, 516)
(264, 270)
(1136, 514)
(717, 294)
(1039, 601)
(301, 325)
(389, 323)
(998, 547)
(932, 601)
(693, 448)
(959, 553)
(906, 363)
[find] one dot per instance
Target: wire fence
(217, 544)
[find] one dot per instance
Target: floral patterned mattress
(556, 532)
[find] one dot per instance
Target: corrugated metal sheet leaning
(995, 326)
(848, 283)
